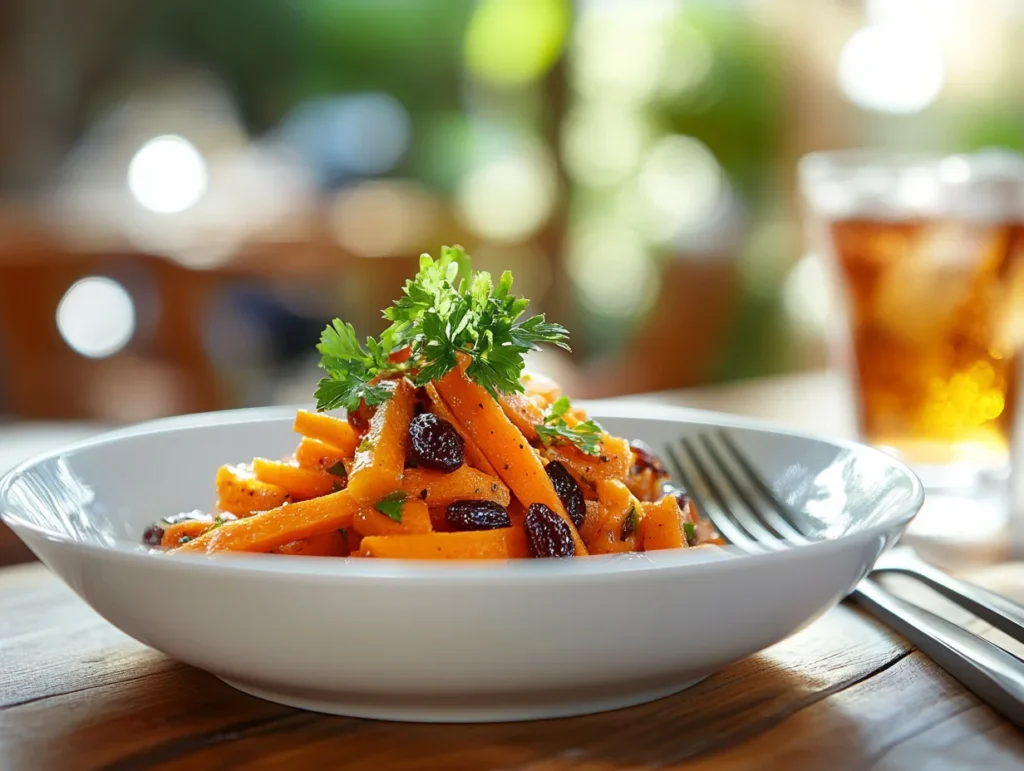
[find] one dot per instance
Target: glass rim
(861, 162)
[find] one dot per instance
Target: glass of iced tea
(928, 253)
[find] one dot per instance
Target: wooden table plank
(845, 693)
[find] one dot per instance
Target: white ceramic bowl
(419, 641)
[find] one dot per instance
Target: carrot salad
(432, 443)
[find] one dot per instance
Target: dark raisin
(477, 515)
(434, 443)
(644, 458)
(153, 535)
(549, 535)
(568, 491)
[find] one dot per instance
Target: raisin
(153, 535)
(477, 515)
(549, 535)
(644, 458)
(434, 443)
(568, 491)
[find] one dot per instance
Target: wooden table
(845, 693)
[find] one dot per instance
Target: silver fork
(749, 515)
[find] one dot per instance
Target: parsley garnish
(445, 310)
(585, 435)
(391, 505)
(690, 531)
(338, 469)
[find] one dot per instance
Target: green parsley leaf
(585, 435)
(338, 469)
(391, 505)
(350, 369)
(690, 531)
(446, 309)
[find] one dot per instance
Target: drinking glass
(928, 254)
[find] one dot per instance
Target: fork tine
(712, 509)
(779, 516)
(738, 506)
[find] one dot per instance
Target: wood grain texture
(845, 693)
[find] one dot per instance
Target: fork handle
(1003, 614)
(995, 676)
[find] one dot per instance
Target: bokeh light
(514, 42)
(96, 317)
(611, 268)
(167, 175)
(620, 49)
(508, 198)
(807, 295)
(602, 143)
(384, 218)
(351, 135)
(681, 188)
(891, 68)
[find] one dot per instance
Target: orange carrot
(613, 461)
(239, 492)
(315, 454)
(331, 544)
(380, 457)
(524, 414)
(415, 519)
(189, 529)
(329, 429)
(463, 484)
(662, 525)
(618, 522)
(506, 543)
(503, 444)
(474, 457)
(271, 529)
(301, 483)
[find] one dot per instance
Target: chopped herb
(365, 445)
(184, 539)
(630, 524)
(690, 531)
(391, 505)
(444, 310)
(585, 435)
(339, 470)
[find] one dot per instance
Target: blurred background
(190, 190)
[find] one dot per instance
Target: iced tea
(936, 313)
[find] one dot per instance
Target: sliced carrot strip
(613, 461)
(506, 543)
(190, 528)
(271, 529)
(463, 484)
(315, 454)
(239, 492)
(327, 428)
(524, 414)
(662, 525)
(301, 483)
(619, 520)
(332, 544)
(380, 457)
(473, 454)
(415, 519)
(503, 444)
